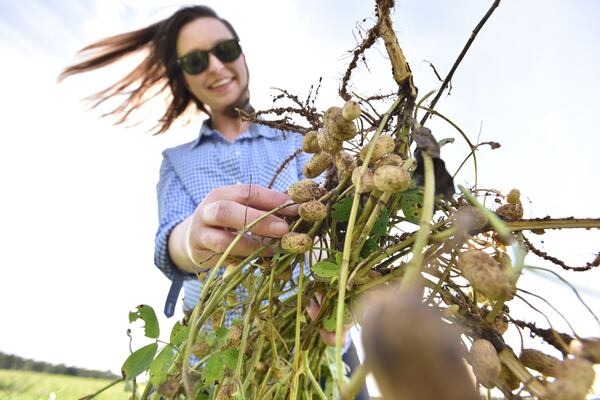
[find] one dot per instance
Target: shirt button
(238, 153)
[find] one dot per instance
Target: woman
(216, 184)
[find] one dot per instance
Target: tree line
(9, 361)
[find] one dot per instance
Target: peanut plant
(384, 241)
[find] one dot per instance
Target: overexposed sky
(78, 209)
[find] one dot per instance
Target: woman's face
(220, 85)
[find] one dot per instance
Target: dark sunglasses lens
(228, 50)
(195, 63)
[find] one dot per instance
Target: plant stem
(366, 211)
(146, 391)
(514, 365)
(339, 323)
(374, 215)
(356, 382)
(311, 377)
(460, 57)
(438, 285)
(299, 308)
(263, 385)
(498, 225)
(254, 362)
(245, 331)
(113, 383)
(413, 269)
(270, 314)
(194, 323)
(555, 223)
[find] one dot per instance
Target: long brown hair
(157, 72)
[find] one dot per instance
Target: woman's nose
(214, 64)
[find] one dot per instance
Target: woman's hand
(328, 337)
(200, 240)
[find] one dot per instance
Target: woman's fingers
(216, 241)
(313, 309)
(230, 214)
(329, 337)
(254, 196)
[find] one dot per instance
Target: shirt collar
(254, 131)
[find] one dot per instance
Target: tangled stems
(494, 220)
(296, 365)
(507, 357)
(316, 386)
(369, 224)
(194, 319)
(339, 324)
(246, 328)
(356, 381)
(366, 212)
(412, 271)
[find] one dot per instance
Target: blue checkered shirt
(191, 170)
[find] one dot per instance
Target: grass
(29, 385)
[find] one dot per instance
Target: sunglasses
(196, 62)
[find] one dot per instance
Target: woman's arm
(200, 239)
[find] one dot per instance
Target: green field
(28, 385)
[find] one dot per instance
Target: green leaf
(230, 357)
(221, 334)
(339, 257)
(380, 225)
(325, 269)
(412, 204)
(214, 370)
(369, 247)
(146, 314)
(179, 333)
(211, 339)
(329, 322)
(341, 210)
(139, 361)
(160, 366)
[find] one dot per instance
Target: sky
(78, 210)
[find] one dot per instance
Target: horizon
(85, 189)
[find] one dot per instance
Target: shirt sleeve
(174, 205)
